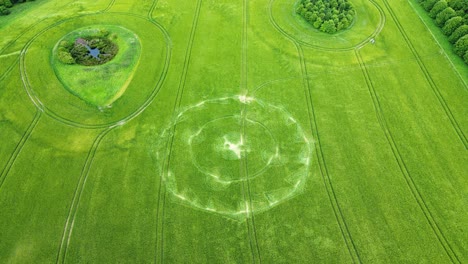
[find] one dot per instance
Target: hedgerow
(452, 17)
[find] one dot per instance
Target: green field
(237, 133)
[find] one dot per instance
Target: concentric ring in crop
(242, 146)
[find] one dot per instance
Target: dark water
(94, 52)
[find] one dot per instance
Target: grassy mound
(99, 78)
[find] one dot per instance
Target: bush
(4, 11)
(458, 33)
(459, 4)
(328, 27)
(65, 57)
(465, 58)
(461, 46)
(444, 15)
(7, 3)
(452, 24)
(428, 4)
(438, 7)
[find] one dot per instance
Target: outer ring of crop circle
(186, 195)
(73, 118)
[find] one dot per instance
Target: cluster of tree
(327, 16)
(79, 51)
(452, 17)
(6, 4)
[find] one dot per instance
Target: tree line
(452, 17)
(327, 16)
(5, 5)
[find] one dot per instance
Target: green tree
(461, 46)
(452, 24)
(4, 11)
(318, 23)
(459, 4)
(458, 33)
(7, 3)
(428, 4)
(66, 57)
(338, 12)
(328, 27)
(438, 7)
(444, 15)
(465, 58)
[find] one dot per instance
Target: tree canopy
(5, 5)
(452, 17)
(327, 16)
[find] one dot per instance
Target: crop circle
(234, 156)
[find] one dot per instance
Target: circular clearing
(368, 22)
(49, 93)
(234, 156)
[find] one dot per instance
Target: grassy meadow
(239, 135)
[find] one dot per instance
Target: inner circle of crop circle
(234, 155)
(223, 141)
(48, 91)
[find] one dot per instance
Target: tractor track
(432, 84)
(339, 216)
(243, 164)
(161, 202)
(19, 146)
(402, 165)
(78, 193)
(346, 234)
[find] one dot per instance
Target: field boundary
(446, 55)
(432, 84)
(402, 165)
(160, 213)
(19, 146)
